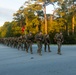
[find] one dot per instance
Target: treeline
(31, 16)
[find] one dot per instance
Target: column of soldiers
(25, 42)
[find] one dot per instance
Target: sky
(8, 7)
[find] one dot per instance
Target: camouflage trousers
(59, 43)
(39, 44)
(29, 45)
(19, 46)
(47, 45)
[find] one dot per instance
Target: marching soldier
(47, 42)
(29, 41)
(59, 40)
(23, 43)
(39, 40)
(20, 42)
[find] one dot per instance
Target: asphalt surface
(14, 62)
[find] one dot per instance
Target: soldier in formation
(29, 40)
(59, 40)
(39, 40)
(47, 42)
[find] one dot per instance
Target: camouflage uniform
(24, 44)
(15, 42)
(19, 42)
(47, 42)
(29, 40)
(39, 40)
(59, 40)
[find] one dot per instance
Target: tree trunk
(45, 17)
(73, 25)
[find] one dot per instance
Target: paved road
(14, 62)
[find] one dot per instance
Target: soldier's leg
(59, 46)
(49, 48)
(45, 47)
(40, 47)
(15, 45)
(31, 48)
(27, 47)
(22, 46)
(18, 46)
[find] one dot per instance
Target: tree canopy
(30, 16)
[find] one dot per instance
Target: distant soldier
(59, 40)
(15, 42)
(20, 42)
(39, 40)
(47, 42)
(29, 40)
(24, 43)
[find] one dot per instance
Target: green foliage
(4, 29)
(70, 39)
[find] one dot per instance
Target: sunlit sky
(8, 7)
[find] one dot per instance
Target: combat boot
(31, 52)
(49, 50)
(59, 53)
